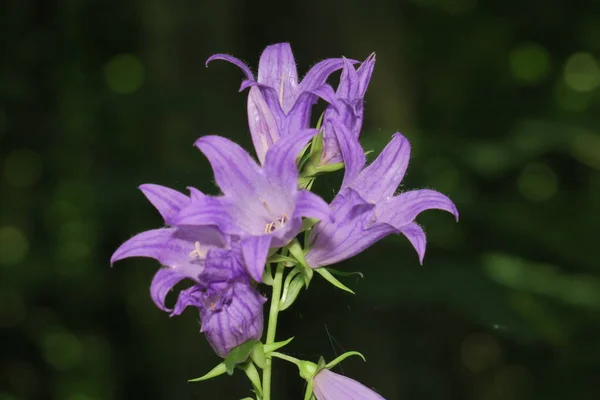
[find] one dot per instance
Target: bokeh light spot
(13, 245)
(529, 62)
(582, 73)
(62, 349)
(537, 182)
(124, 74)
(22, 168)
(479, 352)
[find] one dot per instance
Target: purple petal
(277, 69)
(161, 285)
(310, 205)
(191, 296)
(402, 210)
(235, 171)
(328, 385)
(262, 123)
(280, 162)
(298, 117)
(349, 82)
(167, 201)
(351, 150)
(208, 211)
(255, 250)
(416, 236)
(381, 178)
(319, 73)
(234, 61)
(364, 73)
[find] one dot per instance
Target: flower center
(198, 252)
(278, 223)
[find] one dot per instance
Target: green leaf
(238, 355)
(253, 376)
(331, 279)
(277, 258)
(258, 355)
(297, 252)
(342, 273)
(216, 371)
(276, 346)
(329, 167)
(308, 223)
(268, 275)
(291, 292)
(342, 357)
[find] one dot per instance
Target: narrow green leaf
(276, 346)
(329, 167)
(297, 252)
(277, 258)
(342, 357)
(331, 279)
(253, 376)
(216, 371)
(292, 292)
(238, 355)
(342, 273)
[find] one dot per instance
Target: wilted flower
(366, 209)
(328, 385)
(349, 107)
(277, 103)
(230, 307)
(260, 205)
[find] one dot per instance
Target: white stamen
(198, 252)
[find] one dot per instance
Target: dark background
(498, 98)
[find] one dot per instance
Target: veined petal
(298, 117)
(277, 69)
(364, 73)
(167, 201)
(255, 250)
(353, 154)
(235, 171)
(416, 236)
(328, 385)
(349, 82)
(162, 283)
(235, 61)
(191, 296)
(310, 205)
(319, 73)
(381, 178)
(207, 211)
(402, 210)
(280, 162)
(262, 123)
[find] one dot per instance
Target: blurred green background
(500, 101)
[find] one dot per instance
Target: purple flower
(260, 205)
(349, 107)
(366, 209)
(277, 103)
(231, 309)
(231, 313)
(328, 385)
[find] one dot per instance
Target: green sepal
(308, 393)
(320, 121)
(308, 223)
(332, 279)
(277, 258)
(276, 346)
(291, 291)
(216, 371)
(343, 273)
(238, 355)
(329, 167)
(258, 355)
(268, 276)
(342, 357)
(253, 376)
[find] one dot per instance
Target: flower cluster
(225, 244)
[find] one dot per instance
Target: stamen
(283, 219)
(270, 227)
(198, 252)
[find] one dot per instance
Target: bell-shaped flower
(261, 205)
(328, 385)
(277, 103)
(348, 109)
(366, 209)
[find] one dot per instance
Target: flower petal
(381, 178)
(234, 61)
(328, 385)
(310, 205)
(349, 82)
(280, 162)
(298, 118)
(277, 69)
(162, 283)
(167, 201)
(402, 210)
(235, 171)
(416, 236)
(255, 250)
(319, 73)
(262, 123)
(351, 150)
(364, 74)
(208, 211)
(191, 296)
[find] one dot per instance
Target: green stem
(285, 357)
(272, 328)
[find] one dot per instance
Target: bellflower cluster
(265, 226)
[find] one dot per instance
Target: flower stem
(285, 357)
(272, 328)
